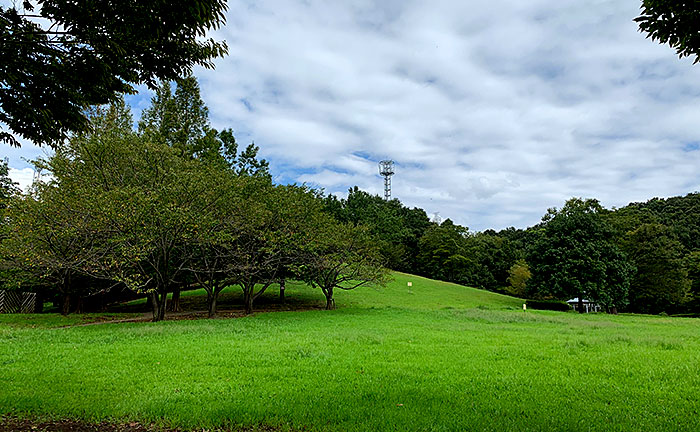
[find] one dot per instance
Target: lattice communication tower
(386, 170)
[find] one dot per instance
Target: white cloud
(23, 177)
(494, 111)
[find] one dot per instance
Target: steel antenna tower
(36, 178)
(386, 170)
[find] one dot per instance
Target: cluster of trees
(640, 258)
(170, 204)
(644, 257)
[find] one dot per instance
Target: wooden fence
(18, 302)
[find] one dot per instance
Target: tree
(661, 282)
(8, 188)
(48, 244)
(221, 236)
(672, 22)
(58, 57)
(279, 224)
(575, 256)
(518, 275)
(441, 252)
(692, 263)
(181, 121)
(396, 228)
(144, 199)
(491, 257)
(343, 256)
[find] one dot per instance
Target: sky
(492, 110)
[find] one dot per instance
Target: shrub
(553, 305)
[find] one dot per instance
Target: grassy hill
(437, 356)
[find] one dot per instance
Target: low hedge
(553, 305)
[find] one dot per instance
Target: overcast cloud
(493, 110)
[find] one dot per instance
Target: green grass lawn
(436, 356)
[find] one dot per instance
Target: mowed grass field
(432, 357)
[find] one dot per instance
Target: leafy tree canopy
(58, 57)
(575, 256)
(673, 22)
(661, 281)
(8, 188)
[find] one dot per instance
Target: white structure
(588, 306)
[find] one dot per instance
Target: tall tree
(8, 188)
(145, 202)
(279, 225)
(58, 57)
(661, 281)
(180, 119)
(442, 254)
(575, 256)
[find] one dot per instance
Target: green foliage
(672, 22)
(518, 275)
(441, 252)
(396, 228)
(343, 256)
(553, 305)
(180, 120)
(8, 188)
(575, 256)
(681, 214)
(661, 282)
(59, 57)
(449, 252)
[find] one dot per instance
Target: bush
(553, 305)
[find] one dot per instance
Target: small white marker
(524, 306)
(410, 284)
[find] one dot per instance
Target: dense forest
(644, 257)
(171, 203)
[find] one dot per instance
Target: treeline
(167, 205)
(644, 257)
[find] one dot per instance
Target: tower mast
(386, 170)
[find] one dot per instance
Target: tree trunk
(211, 303)
(282, 288)
(580, 303)
(153, 297)
(175, 300)
(248, 299)
(163, 305)
(330, 301)
(160, 300)
(65, 307)
(66, 288)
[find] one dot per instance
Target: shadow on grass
(231, 301)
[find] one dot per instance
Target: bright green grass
(8, 321)
(386, 360)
